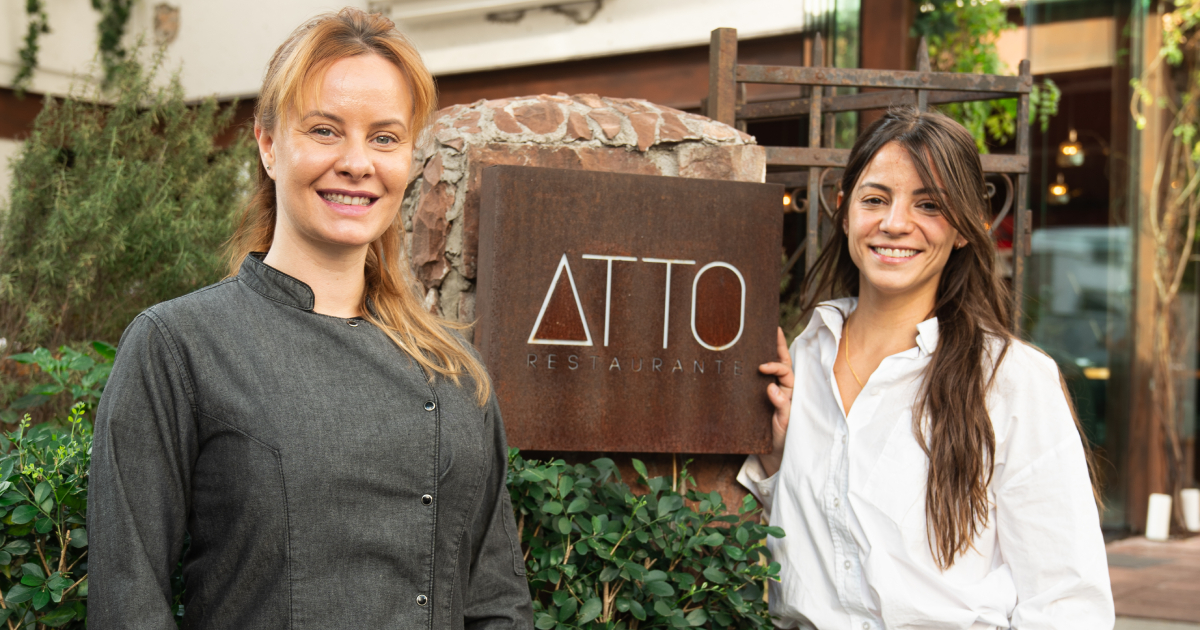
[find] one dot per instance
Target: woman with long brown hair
(333, 451)
(927, 466)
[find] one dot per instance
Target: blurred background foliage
(116, 206)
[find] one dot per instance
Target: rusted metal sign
(629, 313)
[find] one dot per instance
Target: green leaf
(30, 568)
(565, 484)
(640, 468)
(24, 357)
(775, 531)
(669, 504)
(18, 594)
(79, 538)
(41, 597)
(104, 350)
(742, 534)
(568, 610)
(578, 505)
(41, 492)
(18, 547)
(48, 389)
(32, 580)
(697, 617)
(662, 608)
(57, 582)
(662, 589)
(635, 608)
(23, 514)
(610, 573)
(655, 576)
(57, 617)
(10, 498)
(563, 524)
(532, 476)
(43, 525)
(552, 507)
(748, 504)
(29, 401)
(713, 539)
(734, 552)
(591, 609)
(545, 621)
(5, 558)
(715, 575)
(4, 613)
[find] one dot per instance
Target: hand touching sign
(781, 396)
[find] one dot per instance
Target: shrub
(43, 503)
(600, 556)
(72, 377)
(115, 207)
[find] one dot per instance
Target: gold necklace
(846, 330)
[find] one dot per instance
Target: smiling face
(898, 237)
(341, 165)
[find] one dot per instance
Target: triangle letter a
(561, 321)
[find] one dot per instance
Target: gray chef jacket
(324, 480)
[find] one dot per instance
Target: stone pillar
(587, 132)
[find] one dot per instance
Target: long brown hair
(950, 418)
(392, 299)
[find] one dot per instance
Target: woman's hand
(781, 396)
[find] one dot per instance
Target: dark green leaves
(591, 609)
(600, 554)
(23, 514)
(43, 477)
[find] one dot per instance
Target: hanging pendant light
(1059, 194)
(1070, 153)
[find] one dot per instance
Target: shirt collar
(274, 284)
(832, 314)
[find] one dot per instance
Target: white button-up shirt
(850, 495)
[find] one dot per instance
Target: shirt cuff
(755, 479)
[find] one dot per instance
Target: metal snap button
(353, 323)
(847, 565)
(422, 600)
(427, 499)
(837, 502)
(430, 405)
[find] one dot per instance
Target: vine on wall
(114, 16)
(1169, 87)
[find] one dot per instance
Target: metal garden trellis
(921, 88)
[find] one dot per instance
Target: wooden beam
(858, 77)
(837, 158)
(722, 88)
(857, 102)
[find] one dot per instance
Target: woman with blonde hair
(334, 451)
(927, 466)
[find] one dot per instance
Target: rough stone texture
(577, 127)
(584, 131)
(441, 209)
(739, 163)
(610, 122)
(540, 117)
(430, 228)
(505, 122)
